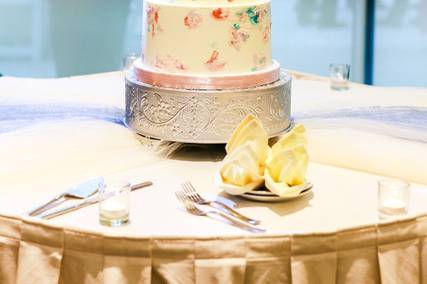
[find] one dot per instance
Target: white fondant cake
(207, 37)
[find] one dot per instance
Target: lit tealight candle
(339, 75)
(393, 206)
(114, 209)
(114, 203)
(393, 197)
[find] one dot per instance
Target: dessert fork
(194, 196)
(192, 208)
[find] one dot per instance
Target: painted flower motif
(220, 14)
(237, 36)
(266, 33)
(214, 64)
(241, 16)
(153, 26)
(260, 61)
(253, 15)
(262, 13)
(193, 20)
(169, 63)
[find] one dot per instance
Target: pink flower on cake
(260, 60)
(266, 33)
(193, 20)
(168, 63)
(220, 14)
(241, 17)
(153, 26)
(237, 37)
(262, 15)
(213, 64)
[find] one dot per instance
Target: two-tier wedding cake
(206, 65)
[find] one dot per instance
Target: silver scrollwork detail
(199, 116)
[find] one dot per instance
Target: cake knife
(87, 202)
(81, 191)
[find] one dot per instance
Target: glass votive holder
(114, 203)
(393, 198)
(128, 61)
(339, 76)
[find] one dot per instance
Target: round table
(330, 236)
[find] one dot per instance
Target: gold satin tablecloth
(33, 252)
(55, 133)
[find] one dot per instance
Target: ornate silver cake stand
(202, 116)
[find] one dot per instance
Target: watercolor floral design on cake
(260, 61)
(214, 63)
(266, 33)
(220, 14)
(255, 15)
(248, 19)
(238, 36)
(169, 63)
(209, 36)
(153, 26)
(193, 20)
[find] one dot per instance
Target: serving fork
(194, 196)
(194, 209)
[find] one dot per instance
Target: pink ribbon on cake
(226, 82)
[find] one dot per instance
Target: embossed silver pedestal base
(201, 116)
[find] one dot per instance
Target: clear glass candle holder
(128, 61)
(393, 198)
(114, 203)
(339, 76)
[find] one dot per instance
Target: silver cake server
(89, 201)
(80, 191)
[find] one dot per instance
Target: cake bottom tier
(205, 116)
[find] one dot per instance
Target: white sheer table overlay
(54, 133)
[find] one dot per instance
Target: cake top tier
(207, 39)
(209, 3)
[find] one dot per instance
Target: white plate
(267, 196)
